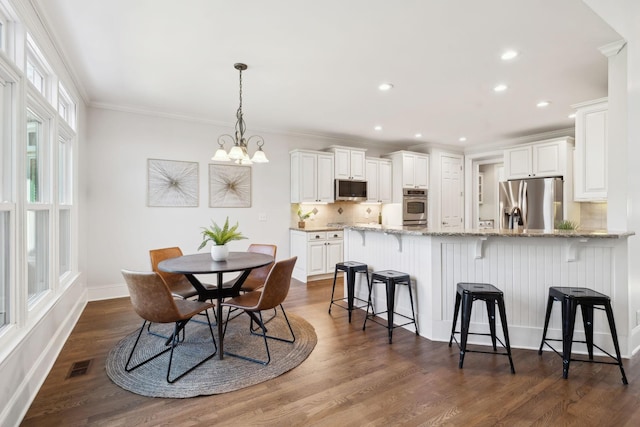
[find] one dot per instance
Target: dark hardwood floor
(352, 378)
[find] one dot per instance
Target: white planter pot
(219, 253)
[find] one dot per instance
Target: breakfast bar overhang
(523, 264)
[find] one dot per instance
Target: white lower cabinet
(317, 252)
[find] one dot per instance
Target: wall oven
(414, 207)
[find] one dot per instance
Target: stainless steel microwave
(352, 191)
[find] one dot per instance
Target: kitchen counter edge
(414, 231)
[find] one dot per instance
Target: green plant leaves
(220, 236)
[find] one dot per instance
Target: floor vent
(79, 368)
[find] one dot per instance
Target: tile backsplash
(593, 216)
(339, 212)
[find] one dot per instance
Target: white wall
(624, 150)
(121, 228)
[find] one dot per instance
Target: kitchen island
(523, 264)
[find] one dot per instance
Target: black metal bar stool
(467, 293)
(350, 268)
(587, 299)
(390, 278)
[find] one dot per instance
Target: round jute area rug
(214, 376)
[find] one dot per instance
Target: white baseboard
(97, 293)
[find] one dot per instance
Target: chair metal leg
(413, 313)
(467, 303)
(505, 332)
(614, 335)
(491, 313)
(391, 298)
(569, 309)
(257, 318)
(550, 301)
(333, 290)
(455, 317)
(175, 343)
(587, 321)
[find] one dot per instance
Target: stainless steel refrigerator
(533, 204)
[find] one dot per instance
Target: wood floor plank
(352, 378)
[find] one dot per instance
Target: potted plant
(302, 217)
(220, 237)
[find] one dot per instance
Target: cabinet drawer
(316, 235)
(335, 235)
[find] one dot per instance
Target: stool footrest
(481, 351)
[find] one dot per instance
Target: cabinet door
(357, 165)
(308, 178)
(408, 170)
(316, 258)
(591, 154)
(372, 180)
(517, 162)
(324, 178)
(342, 163)
(385, 185)
(334, 254)
(547, 160)
(421, 172)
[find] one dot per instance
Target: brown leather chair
(153, 301)
(272, 294)
(177, 283)
(257, 276)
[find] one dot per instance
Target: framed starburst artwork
(172, 183)
(229, 186)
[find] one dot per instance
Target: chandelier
(239, 152)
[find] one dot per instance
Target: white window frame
(38, 62)
(67, 107)
(41, 109)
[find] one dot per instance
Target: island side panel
(522, 267)
(408, 254)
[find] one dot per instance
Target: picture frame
(229, 186)
(172, 183)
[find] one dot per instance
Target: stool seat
(571, 297)
(466, 294)
(390, 278)
(350, 268)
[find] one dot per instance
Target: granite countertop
(423, 231)
(315, 229)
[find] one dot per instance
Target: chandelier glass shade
(238, 151)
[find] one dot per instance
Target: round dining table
(190, 265)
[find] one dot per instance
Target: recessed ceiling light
(500, 88)
(385, 87)
(509, 54)
(418, 135)
(572, 115)
(543, 104)
(462, 139)
(378, 127)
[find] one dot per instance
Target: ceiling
(315, 66)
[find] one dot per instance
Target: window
(65, 201)
(38, 201)
(5, 266)
(7, 201)
(66, 106)
(38, 70)
(36, 159)
(37, 252)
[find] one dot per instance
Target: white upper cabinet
(543, 159)
(311, 176)
(379, 180)
(590, 169)
(349, 163)
(410, 170)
